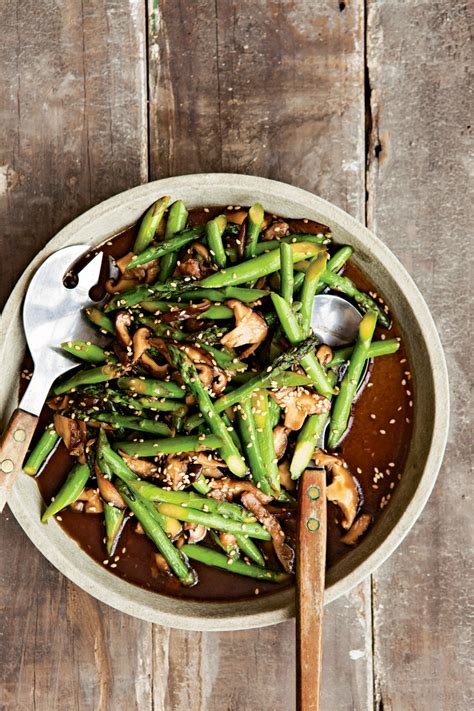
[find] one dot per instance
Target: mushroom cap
(250, 328)
(344, 489)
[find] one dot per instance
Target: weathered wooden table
(364, 103)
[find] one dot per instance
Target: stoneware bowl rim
(432, 406)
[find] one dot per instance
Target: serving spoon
(335, 321)
(52, 314)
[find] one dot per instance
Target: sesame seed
(373, 416)
(392, 421)
(382, 432)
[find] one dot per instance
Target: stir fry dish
(185, 428)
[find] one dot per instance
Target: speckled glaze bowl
(430, 417)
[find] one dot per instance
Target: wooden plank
(277, 90)
(419, 204)
(73, 133)
(73, 117)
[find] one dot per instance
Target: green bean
(229, 452)
(250, 549)
(270, 245)
(130, 422)
(98, 318)
(171, 289)
(309, 438)
(286, 272)
(255, 220)
(69, 491)
(90, 376)
(216, 312)
(249, 436)
(247, 296)
(336, 263)
(258, 267)
(87, 351)
(153, 529)
(188, 499)
(294, 334)
(219, 560)
(114, 522)
(176, 222)
(342, 406)
(150, 403)
(151, 388)
(41, 450)
(149, 224)
(214, 231)
(168, 246)
(170, 445)
(377, 348)
(298, 281)
(201, 485)
(211, 520)
(308, 291)
(265, 441)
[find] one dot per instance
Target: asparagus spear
(211, 520)
(149, 224)
(229, 452)
(342, 406)
(250, 549)
(294, 333)
(262, 380)
(171, 445)
(214, 558)
(230, 549)
(176, 222)
(214, 231)
(366, 303)
(249, 436)
(168, 246)
(153, 529)
(40, 452)
(254, 225)
(131, 422)
(265, 441)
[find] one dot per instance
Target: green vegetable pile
(206, 394)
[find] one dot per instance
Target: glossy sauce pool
(375, 448)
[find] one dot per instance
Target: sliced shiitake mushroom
(358, 528)
(250, 328)
(344, 490)
(298, 402)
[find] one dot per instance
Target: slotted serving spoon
(52, 314)
(335, 321)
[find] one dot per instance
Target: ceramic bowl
(430, 417)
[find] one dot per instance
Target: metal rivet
(7, 466)
(312, 524)
(314, 492)
(19, 435)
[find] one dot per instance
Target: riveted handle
(14, 445)
(310, 578)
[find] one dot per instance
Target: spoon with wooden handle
(310, 577)
(335, 321)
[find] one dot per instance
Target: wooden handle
(310, 576)
(14, 445)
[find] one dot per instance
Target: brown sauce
(375, 448)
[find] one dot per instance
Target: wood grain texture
(275, 89)
(73, 116)
(420, 204)
(310, 578)
(224, 96)
(14, 443)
